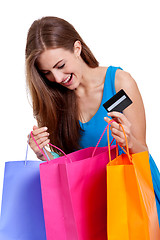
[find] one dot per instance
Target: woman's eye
(46, 73)
(61, 66)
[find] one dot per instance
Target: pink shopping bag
(74, 195)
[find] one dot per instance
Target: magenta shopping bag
(74, 195)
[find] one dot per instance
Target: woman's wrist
(136, 146)
(42, 157)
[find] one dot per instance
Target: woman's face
(62, 66)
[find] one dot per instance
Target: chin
(73, 86)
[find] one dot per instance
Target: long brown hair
(54, 106)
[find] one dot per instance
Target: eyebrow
(53, 66)
(57, 63)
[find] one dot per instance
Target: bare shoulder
(125, 80)
(135, 112)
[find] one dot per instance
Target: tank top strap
(109, 84)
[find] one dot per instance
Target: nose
(58, 75)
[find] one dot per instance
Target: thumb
(35, 127)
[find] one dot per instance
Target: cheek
(50, 77)
(77, 71)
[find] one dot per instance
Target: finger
(36, 138)
(44, 144)
(35, 127)
(107, 119)
(113, 124)
(39, 130)
(119, 140)
(120, 116)
(41, 140)
(41, 135)
(117, 132)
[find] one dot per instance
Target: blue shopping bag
(22, 211)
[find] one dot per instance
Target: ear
(77, 48)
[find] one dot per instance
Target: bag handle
(47, 157)
(27, 151)
(127, 148)
(45, 153)
(25, 161)
(101, 139)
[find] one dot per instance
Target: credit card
(118, 102)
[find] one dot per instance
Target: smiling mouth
(68, 80)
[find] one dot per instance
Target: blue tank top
(94, 128)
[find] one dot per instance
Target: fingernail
(45, 128)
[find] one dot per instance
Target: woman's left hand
(117, 131)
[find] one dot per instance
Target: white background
(120, 33)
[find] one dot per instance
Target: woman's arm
(133, 118)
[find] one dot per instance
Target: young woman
(68, 89)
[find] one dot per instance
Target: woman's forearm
(137, 146)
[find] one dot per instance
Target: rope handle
(109, 144)
(102, 137)
(127, 148)
(46, 157)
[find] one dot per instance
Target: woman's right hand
(41, 136)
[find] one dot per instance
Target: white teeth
(68, 78)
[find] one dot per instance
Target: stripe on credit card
(117, 102)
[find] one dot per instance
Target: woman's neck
(91, 78)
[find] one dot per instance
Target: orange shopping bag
(131, 205)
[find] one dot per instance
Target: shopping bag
(131, 205)
(74, 194)
(156, 183)
(21, 210)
